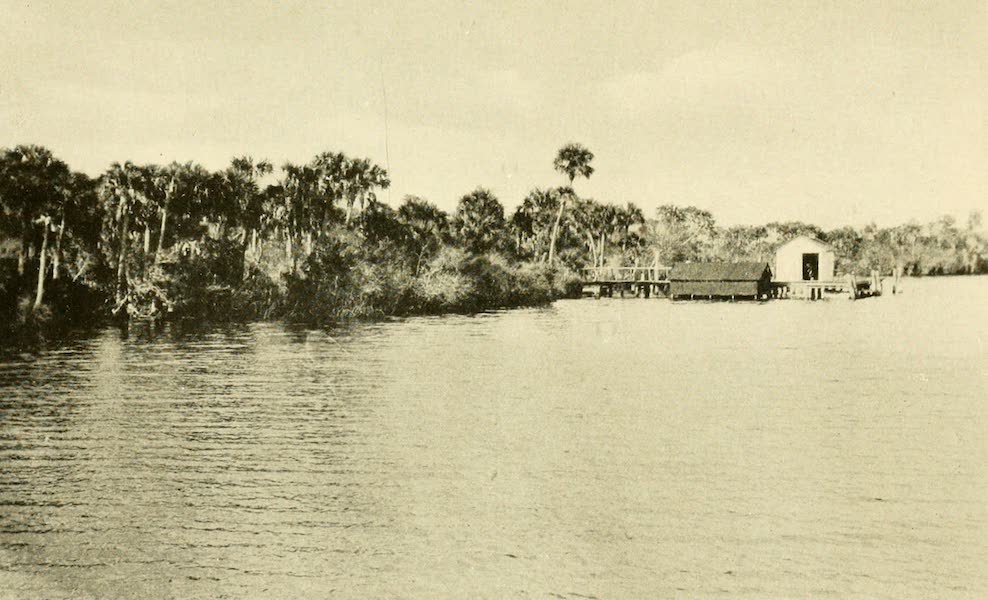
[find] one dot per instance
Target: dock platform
(850, 287)
(638, 281)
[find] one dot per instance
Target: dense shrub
(258, 297)
(343, 279)
(328, 288)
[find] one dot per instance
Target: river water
(592, 449)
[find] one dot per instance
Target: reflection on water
(635, 448)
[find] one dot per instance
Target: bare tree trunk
(555, 232)
(161, 234)
(593, 249)
(289, 250)
(42, 268)
(147, 239)
(81, 271)
(247, 244)
(57, 260)
(602, 246)
(122, 254)
(22, 256)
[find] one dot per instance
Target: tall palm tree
(302, 206)
(120, 192)
(334, 186)
(362, 177)
(572, 160)
(627, 217)
(76, 211)
(166, 180)
(241, 184)
(63, 207)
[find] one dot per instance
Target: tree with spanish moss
(121, 192)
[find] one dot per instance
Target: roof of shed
(739, 271)
(806, 238)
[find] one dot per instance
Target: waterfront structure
(721, 280)
(804, 258)
(641, 281)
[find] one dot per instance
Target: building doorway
(811, 267)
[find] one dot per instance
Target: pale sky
(829, 112)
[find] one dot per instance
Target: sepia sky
(830, 112)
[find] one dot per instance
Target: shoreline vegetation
(316, 246)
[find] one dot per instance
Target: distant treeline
(943, 247)
(318, 245)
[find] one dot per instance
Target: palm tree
(362, 177)
(334, 185)
(120, 193)
(572, 160)
(32, 182)
(479, 221)
(73, 197)
(626, 217)
(301, 186)
(166, 180)
(533, 219)
(240, 182)
(427, 226)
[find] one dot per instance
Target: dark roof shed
(738, 271)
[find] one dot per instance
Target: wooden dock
(850, 287)
(638, 281)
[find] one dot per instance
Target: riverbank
(336, 284)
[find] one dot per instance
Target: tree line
(314, 242)
(148, 239)
(941, 247)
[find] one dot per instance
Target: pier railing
(625, 274)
